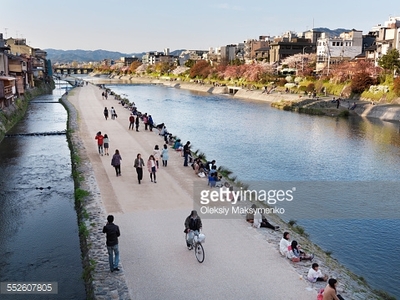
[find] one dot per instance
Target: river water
(345, 171)
(39, 240)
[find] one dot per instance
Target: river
(39, 240)
(345, 171)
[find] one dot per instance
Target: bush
(361, 82)
(281, 82)
(310, 87)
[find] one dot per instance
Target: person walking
(151, 167)
(137, 123)
(150, 122)
(113, 113)
(145, 120)
(99, 137)
(165, 155)
(131, 122)
(116, 162)
(105, 112)
(106, 144)
(138, 165)
(186, 152)
(112, 233)
(157, 155)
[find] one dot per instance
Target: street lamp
(302, 59)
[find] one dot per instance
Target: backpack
(320, 295)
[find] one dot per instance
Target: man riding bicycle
(192, 227)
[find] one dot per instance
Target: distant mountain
(68, 56)
(331, 32)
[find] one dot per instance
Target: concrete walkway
(239, 263)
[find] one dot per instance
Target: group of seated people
(208, 169)
(292, 250)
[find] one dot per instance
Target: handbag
(295, 259)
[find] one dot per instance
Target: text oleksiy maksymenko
(224, 195)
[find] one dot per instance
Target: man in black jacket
(112, 232)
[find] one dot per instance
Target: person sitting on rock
(297, 252)
(260, 221)
(315, 274)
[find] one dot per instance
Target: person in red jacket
(99, 137)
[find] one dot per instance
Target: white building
(335, 49)
(387, 37)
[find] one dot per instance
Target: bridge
(71, 70)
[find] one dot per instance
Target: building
(331, 50)
(387, 38)
(257, 49)
(287, 45)
(7, 83)
(192, 55)
(127, 61)
(152, 58)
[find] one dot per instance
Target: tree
(134, 65)
(390, 61)
(190, 63)
(201, 69)
(361, 82)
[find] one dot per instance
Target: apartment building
(332, 50)
(287, 45)
(387, 37)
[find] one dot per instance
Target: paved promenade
(239, 263)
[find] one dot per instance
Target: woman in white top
(151, 167)
(284, 244)
(157, 155)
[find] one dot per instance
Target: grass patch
(83, 231)
(80, 196)
(88, 270)
(384, 295)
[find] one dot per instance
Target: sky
(131, 26)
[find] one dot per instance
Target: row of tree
(360, 74)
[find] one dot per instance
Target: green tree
(390, 61)
(190, 63)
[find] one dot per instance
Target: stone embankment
(99, 284)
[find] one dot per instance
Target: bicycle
(198, 239)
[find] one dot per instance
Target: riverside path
(239, 264)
